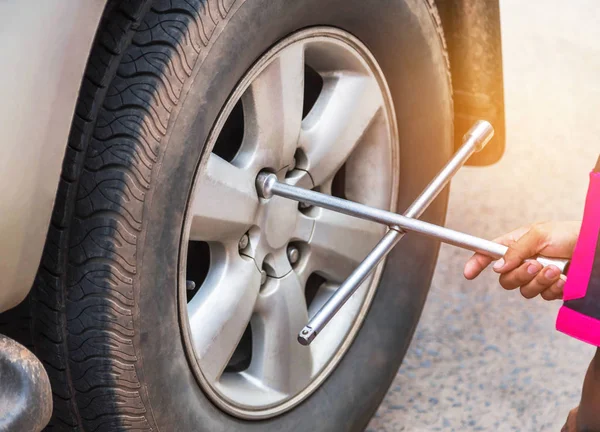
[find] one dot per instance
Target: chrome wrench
(474, 140)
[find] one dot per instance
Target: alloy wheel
(315, 110)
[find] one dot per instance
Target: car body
(47, 83)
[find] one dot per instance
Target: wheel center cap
(278, 221)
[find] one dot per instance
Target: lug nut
(190, 285)
(244, 241)
(263, 277)
(293, 254)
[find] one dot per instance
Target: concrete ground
(484, 359)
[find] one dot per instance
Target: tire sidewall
(403, 38)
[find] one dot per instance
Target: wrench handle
(268, 185)
(562, 264)
(476, 244)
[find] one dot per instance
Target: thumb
(528, 246)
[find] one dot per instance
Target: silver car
(151, 286)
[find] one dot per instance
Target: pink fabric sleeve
(583, 255)
(578, 325)
(579, 316)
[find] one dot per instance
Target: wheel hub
(242, 327)
(279, 223)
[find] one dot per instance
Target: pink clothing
(580, 314)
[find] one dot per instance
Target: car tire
(105, 304)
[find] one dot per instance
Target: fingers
(475, 265)
(478, 262)
(523, 244)
(529, 245)
(522, 275)
(533, 279)
(546, 282)
(555, 292)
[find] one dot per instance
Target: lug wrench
(474, 140)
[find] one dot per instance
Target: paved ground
(482, 358)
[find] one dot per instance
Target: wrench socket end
(306, 336)
(264, 184)
(482, 132)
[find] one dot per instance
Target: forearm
(588, 415)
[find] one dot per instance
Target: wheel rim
(253, 271)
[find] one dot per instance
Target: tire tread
(79, 317)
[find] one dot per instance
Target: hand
(552, 239)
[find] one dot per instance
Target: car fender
(45, 47)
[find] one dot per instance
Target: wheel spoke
(243, 386)
(273, 113)
(329, 338)
(340, 243)
(304, 228)
(324, 292)
(335, 125)
(278, 359)
(221, 310)
(225, 202)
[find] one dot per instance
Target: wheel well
(473, 35)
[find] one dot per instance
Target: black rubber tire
(104, 305)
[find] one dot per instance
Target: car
(144, 281)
